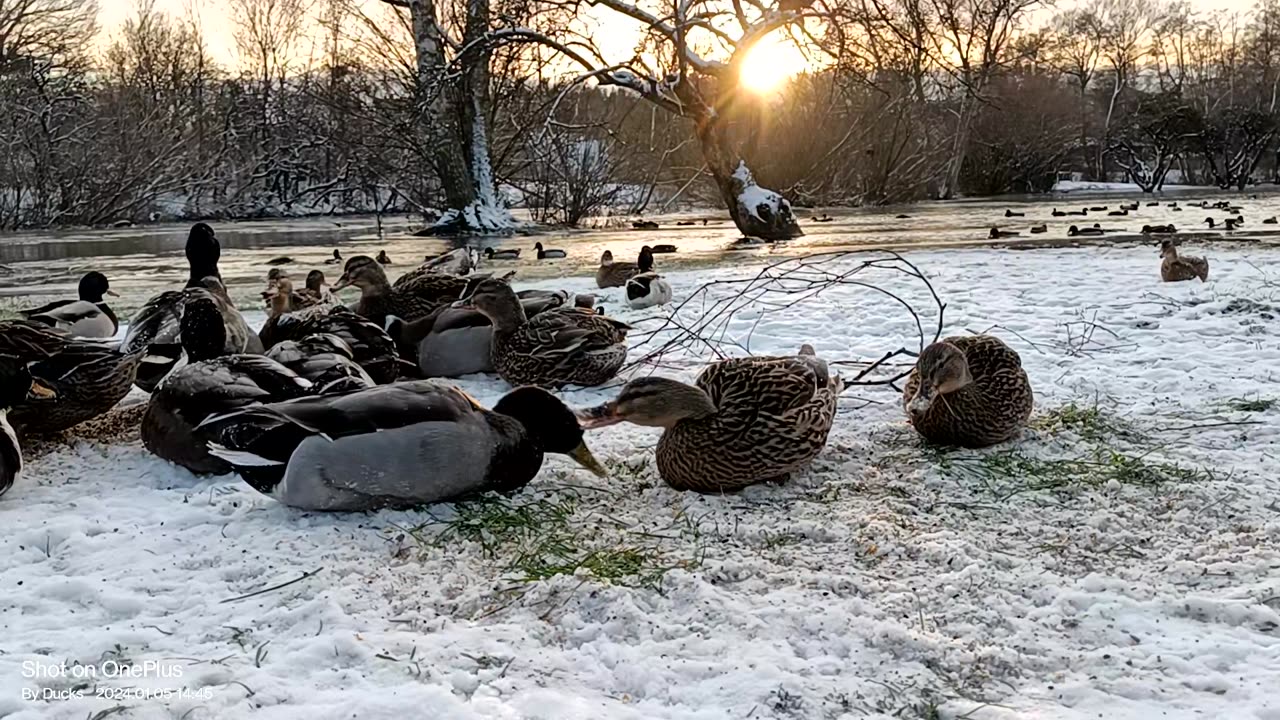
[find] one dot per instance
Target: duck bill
(113, 293)
(41, 391)
(599, 416)
(464, 304)
(922, 401)
(582, 455)
(343, 282)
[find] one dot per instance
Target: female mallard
(616, 274)
(16, 385)
(747, 421)
(90, 316)
(969, 391)
(648, 289)
(212, 382)
(408, 300)
(1176, 268)
(383, 259)
(557, 347)
(395, 445)
(370, 345)
(87, 377)
(316, 291)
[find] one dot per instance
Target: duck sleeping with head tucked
(399, 445)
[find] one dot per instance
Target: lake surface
(140, 260)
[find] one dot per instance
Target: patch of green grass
(1257, 404)
(541, 538)
(1090, 422)
(1013, 472)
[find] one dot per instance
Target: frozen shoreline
(887, 580)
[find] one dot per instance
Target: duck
(554, 348)
(1154, 203)
(1176, 209)
(382, 258)
(211, 382)
(285, 260)
(744, 420)
(1118, 213)
(316, 290)
(645, 225)
(1269, 221)
(508, 254)
(371, 347)
(1098, 208)
(1177, 268)
(1009, 213)
(997, 233)
(969, 391)
(16, 384)
(156, 329)
(453, 342)
(662, 249)
(86, 376)
(459, 261)
(350, 452)
(336, 259)
(901, 216)
(88, 317)
(647, 290)
(1158, 229)
(616, 274)
(686, 223)
(326, 360)
(1037, 229)
(1229, 223)
(414, 296)
(546, 254)
(1058, 213)
(1133, 206)
(1074, 231)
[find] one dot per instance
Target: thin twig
(273, 588)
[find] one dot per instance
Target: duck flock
(348, 407)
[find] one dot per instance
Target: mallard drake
(211, 382)
(1154, 203)
(1037, 229)
(396, 445)
(157, 330)
(1176, 268)
(89, 316)
(509, 254)
(1158, 229)
(664, 249)
(336, 259)
(1229, 223)
(647, 290)
(453, 342)
(1009, 213)
(87, 377)
(1098, 208)
(1269, 221)
(383, 259)
(325, 360)
(969, 391)
(745, 421)
(554, 348)
(1074, 231)
(1118, 213)
(370, 345)
(997, 233)
(203, 252)
(547, 254)
(616, 274)
(416, 295)
(16, 384)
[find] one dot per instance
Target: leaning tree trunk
(758, 212)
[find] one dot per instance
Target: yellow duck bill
(582, 454)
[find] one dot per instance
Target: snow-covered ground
(1074, 574)
(1090, 186)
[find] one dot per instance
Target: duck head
(550, 424)
(606, 258)
(315, 281)
(93, 286)
(363, 272)
(645, 261)
(651, 402)
(942, 369)
(1168, 249)
(382, 257)
(204, 335)
(203, 251)
(278, 295)
(493, 298)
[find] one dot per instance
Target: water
(39, 266)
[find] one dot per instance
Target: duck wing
(565, 331)
(47, 308)
(28, 341)
(372, 348)
(158, 322)
(773, 386)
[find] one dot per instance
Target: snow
(753, 197)
(881, 584)
(1088, 186)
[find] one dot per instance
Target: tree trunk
(758, 212)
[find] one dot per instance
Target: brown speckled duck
(747, 420)
(407, 300)
(1176, 268)
(556, 347)
(616, 274)
(969, 391)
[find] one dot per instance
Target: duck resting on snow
(969, 391)
(398, 445)
(1177, 268)
(89, 316)
(647, 290)
(744, 421)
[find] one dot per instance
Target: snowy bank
(1042, 579)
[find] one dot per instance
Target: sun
(771, 63)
